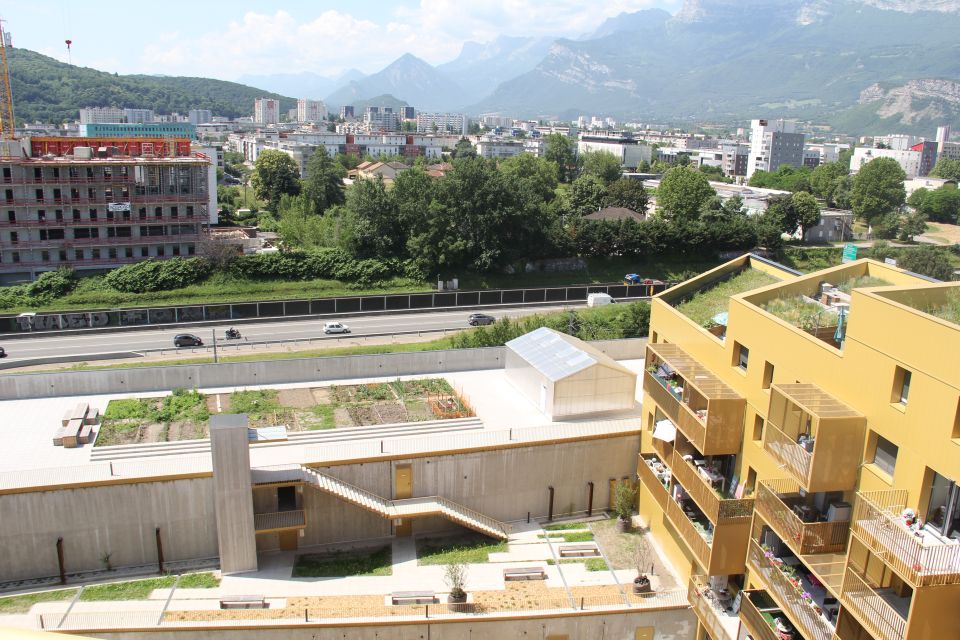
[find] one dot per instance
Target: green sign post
(849, 253)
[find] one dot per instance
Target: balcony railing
(651, 482)
(664, 449)
(759, 628)
(874, 613)
(25, 244)
(698, 545)
(197, 197)
(793, 456)
(811, 624)
(278, 521)
(712, 615)
(921, 559)
(714, 506)
(804, 538)
(87, 222)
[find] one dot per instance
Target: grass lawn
(563, 526)
(135, 590)
(704, 305)
(592, 564)
(206, 580)
(22, 604)
(576, 536)
(337, 565)
(473, 550)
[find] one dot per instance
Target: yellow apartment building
(801, 450)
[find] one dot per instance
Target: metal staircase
(406, 508)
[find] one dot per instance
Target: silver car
(335, 327)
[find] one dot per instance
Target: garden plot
(184, 414)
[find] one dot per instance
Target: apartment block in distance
(98, 203)
(266, 111)
(802, 450)
(773, 143)
(311, 110)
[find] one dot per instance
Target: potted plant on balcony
(641, 584)
(455, 576)
(624, 498)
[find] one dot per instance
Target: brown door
(404, 489)
(288, 540)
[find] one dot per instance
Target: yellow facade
(836, 433)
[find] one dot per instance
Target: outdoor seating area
(243, 602)
(76, 427)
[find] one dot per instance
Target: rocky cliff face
(912, 6)
(915, 101)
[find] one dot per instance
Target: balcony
(760, 614)
(879, 611)
(716, 507)
(816, 438)
(793, 594)
(87, 222)
(655, 476)
(714, 610)
(778, 503)
(921, 560)
(698, 538)
(707, 411)
(278, 521)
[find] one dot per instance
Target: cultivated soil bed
(184, 415)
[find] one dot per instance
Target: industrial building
(800, 455)
(99, 203)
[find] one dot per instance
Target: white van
(599, 299)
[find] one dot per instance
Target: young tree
(877, 189)
(823, 180)
(377, 229)
(561, 150)
(464, 149)
(274, 175)
(629, 194)
(323, 186)
(911, 225)
(587, 195)
(602, 164)
(946, 168)
(682, 193)
(537, 175)
(939, 205)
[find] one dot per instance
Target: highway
(112, 342)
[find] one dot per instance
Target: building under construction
(99, 203)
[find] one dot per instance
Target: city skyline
(226, 41)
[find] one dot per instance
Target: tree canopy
(601, 164)
(938, 205)
(682, 193)
(877, 189)
(946, 168)
(562, 151)
(629, 194)
(275, 174)
(323, 185)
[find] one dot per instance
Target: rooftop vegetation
(949, 310)
(714, 299)
(862, 282)
(801, 312)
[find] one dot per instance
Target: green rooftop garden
(949, 310)
(862, 282)
(801, 312)
(705, 304)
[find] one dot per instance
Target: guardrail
(19, 325)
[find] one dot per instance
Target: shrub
(52, 284)
(158, 275)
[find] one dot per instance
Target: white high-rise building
(199, 116)
(98, 115)
(943, 136)
(311, 110)
(138, 116)
(773, 144)
(444, 123)
(266, 111)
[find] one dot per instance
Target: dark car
(477, 319)
(3, 354)
(187, 340)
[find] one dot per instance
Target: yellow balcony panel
(880, 612)
(759, 613)
(715, 506)
(652, 472)
(816, 438)
(921, 560)
(714, 613)
(278, 521)
(789, 596)
(695, 540)
(707, 411)
(775, 503)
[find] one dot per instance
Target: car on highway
(187, 340)
(3, 354)
(477, 319)
(335, 327)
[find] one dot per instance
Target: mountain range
(866, 66)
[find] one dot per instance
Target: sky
(228, 39)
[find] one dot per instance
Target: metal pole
(550, 512)
(590, 500)
(159, 550)
(63, 572)
(214, 333)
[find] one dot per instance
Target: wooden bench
(524, 573)
(79, 412)
(243, 602)
(413, 597)
(71, 437)
(92, 417)
(579, 551)
(86, 434)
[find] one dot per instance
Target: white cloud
(334, 40)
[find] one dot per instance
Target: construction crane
(6, 96)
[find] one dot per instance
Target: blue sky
(221, 39)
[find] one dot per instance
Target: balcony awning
(664, 430)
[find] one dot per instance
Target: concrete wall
(669, 624)
(235, 374)
(116, 519)
(232, 492)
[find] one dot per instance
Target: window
(128, 252)
(58, 215)
(943, 504)
(76, 214)
(45, 256)
(11, 216)
(885, 455)
(16, 256)
(14, 237)
(112, 253)
(95, 254)
(161, 251)
(901, 386)
(767, 375)
(758, 423)
(158, 211)
(78, 254)
(144, 252)
(740, 356)
(176, 250)
(62, 256)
